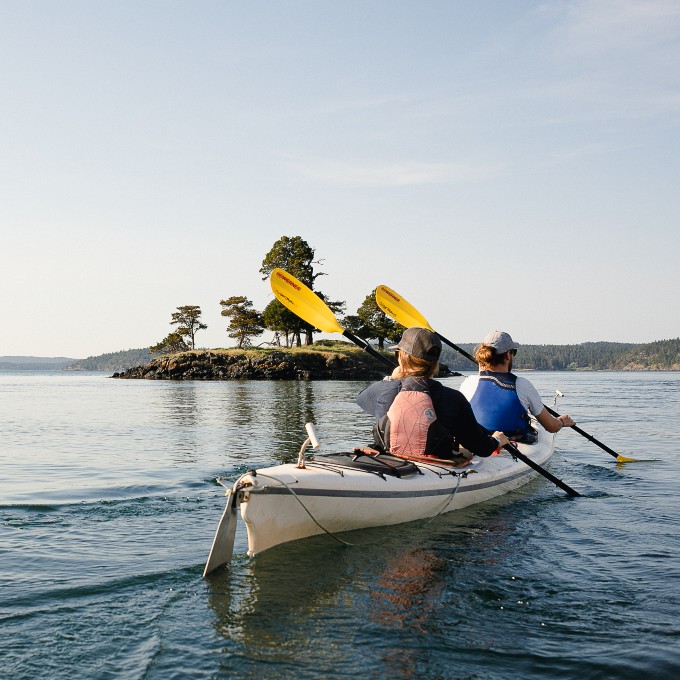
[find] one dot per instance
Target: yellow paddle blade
(623, 459)
(294, 295)
(399, 309)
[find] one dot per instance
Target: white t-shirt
(526, 392)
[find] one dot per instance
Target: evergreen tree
(294, 255)
(354, 324)
(187, 319)
(375, 324)
(282, 321)
(171, 344)
(245, 322)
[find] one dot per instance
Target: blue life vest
(496, 405)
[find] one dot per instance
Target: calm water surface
(108, 506)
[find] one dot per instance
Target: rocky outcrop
(260, 365)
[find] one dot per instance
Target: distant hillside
(113, 361)
(14, 363)
(662, 355)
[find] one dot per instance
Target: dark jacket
(452, 408)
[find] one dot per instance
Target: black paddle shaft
(368, 348)
(525, 459)
(589, 437)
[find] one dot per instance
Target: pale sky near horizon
(510, 165)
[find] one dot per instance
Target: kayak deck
(285, 503)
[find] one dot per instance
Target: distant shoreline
(661, 355)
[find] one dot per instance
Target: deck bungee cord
(336, 493)
(336, 467)
(305, 508)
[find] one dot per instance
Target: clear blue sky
(509, 165)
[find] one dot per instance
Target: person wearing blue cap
(503, 401)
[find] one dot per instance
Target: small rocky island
(332, 361)
(315, 362)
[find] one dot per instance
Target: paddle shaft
(368, 348)
(525, 459)
(460, 350)
(589, 437)
(552, 412)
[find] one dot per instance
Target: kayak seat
(379, 463)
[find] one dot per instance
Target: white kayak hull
(284, 503)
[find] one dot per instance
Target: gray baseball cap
(420, 343)
(500, 341)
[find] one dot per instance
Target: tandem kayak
(341, 492)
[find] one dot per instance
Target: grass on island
(320, 346)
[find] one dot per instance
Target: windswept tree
(336, 306)
(372, 323)
(171, 344)
(188, 321)
(245, 322)
(354, 324)
(282, 322)
(294, 255)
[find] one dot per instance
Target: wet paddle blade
(304, 302)
(223, 543)
(399, 309)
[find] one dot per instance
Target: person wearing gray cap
(418, 354)
(500, 399)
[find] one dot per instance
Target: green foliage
(353, 323)
(336, 306)
(662, 355)
(283, 322)
(593, 356)
(334, 344)
(113, 361)
(371, 323)
(245, 322)
(294, 255)
(187, 319)
(171, 344)
(28, 363)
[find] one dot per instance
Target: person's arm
(531, 400)
(473, 436)
(376, 398)
(552, 424)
